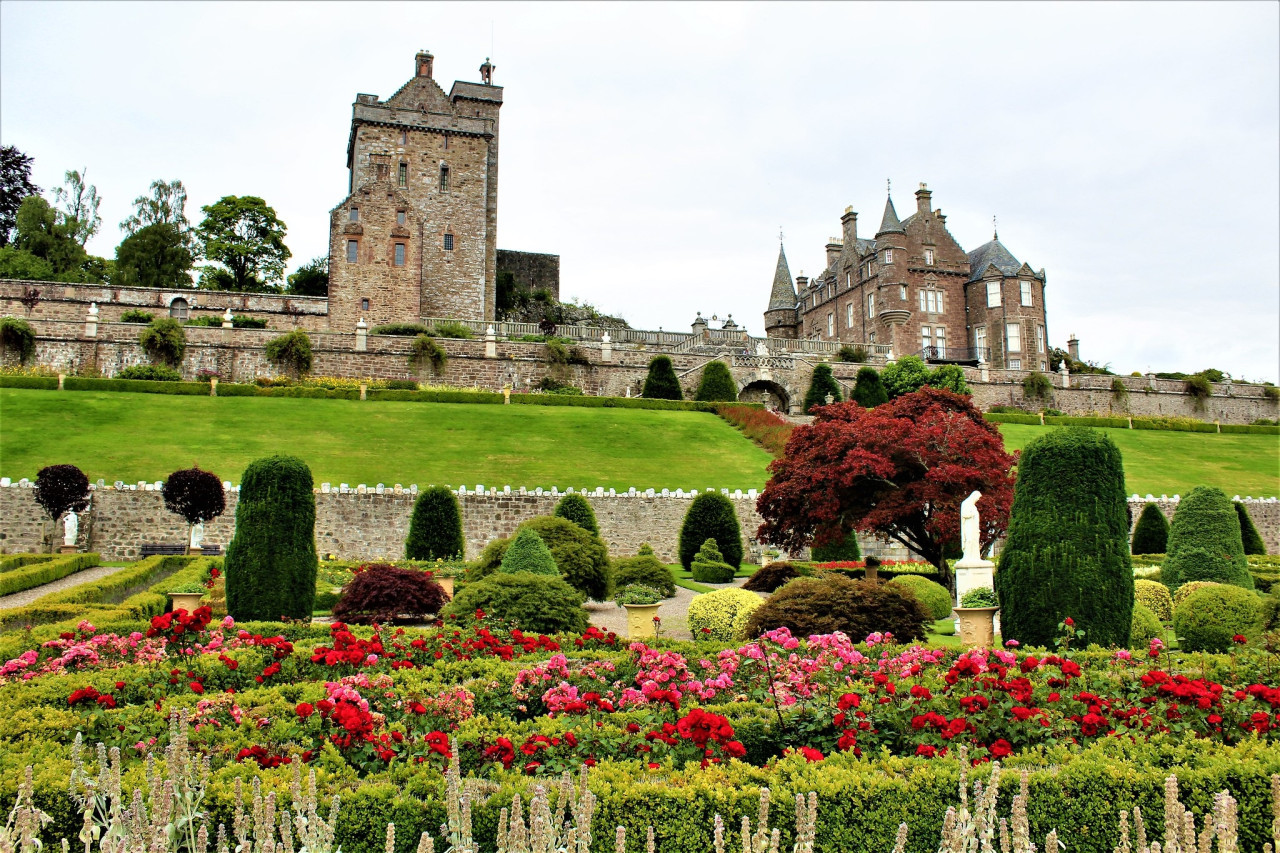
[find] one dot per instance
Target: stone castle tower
(417, 234)
(916, 290)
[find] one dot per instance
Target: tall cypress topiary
(1067, 548)
(711, 516)
(661, 383)
(868, 390)
(1151, 534)
(846, 549)
(1205, 542)
(717, 384)
(271, 562)
(822, 384)
(435, 528)
(578, 509)
(1249, 535)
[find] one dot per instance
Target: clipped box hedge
(1250, 429)
(17, 561)
(1012, 418)
(1072, 420)
(47, 571)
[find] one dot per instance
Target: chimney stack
(849, 222)
(833, 253)
(423, 62)
(923, 205)
(1073, 347)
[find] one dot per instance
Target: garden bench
(158, 549)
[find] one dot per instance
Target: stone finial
(362, 335)
(91, 321)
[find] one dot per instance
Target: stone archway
(760, 389)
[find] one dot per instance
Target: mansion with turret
(914, 289)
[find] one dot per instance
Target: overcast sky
(1131, 150)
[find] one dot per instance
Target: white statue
(970, 537)
(762, 350)
(71, 530)
(197, 535)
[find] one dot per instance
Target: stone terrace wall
(1265, 515)
(363, 523)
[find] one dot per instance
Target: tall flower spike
(425, 844)
(620, 840)
(648, 842)
(391, 838)
(717, 838)
(900, 843)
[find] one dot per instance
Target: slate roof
(784, 291)
(890, 224)
(992, 254)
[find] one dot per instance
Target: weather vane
(995, 232)
(888, 185)
(779, 233)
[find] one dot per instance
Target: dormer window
(928, 257)
(353, 214)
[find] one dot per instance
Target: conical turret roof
(784, 291)
(890, 224)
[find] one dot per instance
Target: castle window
(902, 292)
(848, 315)
(448, 242)
(444, 178)
(940, 341)
(1015, 364)
(993, 294)
(1043, 366)
(403, 175)
(928, 257)
(446, 142)
(364, 304)
(925, 340)
(871, 305)
(1026, 292)
(353, 251)
(980, 342)
(399, 254)
(1013, 333)
(888, 256)
(178, 309)
(831, 325)
(848, 280)
(1039, 338)
(404, 137)
(353, 214)
(400, 217)
(873, 337)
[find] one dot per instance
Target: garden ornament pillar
(362, 335)
(490, 343)
(1066, 374)
(71, 530)
(91, 321)
(228, 319)
(606, 347)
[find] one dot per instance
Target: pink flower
(1011, 644)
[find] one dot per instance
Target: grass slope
(1171, 463)
(132, 437)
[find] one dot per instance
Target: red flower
(1069, 622)
(1240, 639)
(810, 754)
(1000, 749)
(305, 709)
(925, 750)
(119, 685)
(196, 687)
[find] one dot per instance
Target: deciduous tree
(195, 495)
(156, 255)
(15, 185)
(312, 278)
(244, 234)
(167, 205)
(900, 470)
(77, 202)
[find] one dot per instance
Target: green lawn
(1172, 463)
(132, 437)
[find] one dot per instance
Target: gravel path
(22, 599)
(674, 611)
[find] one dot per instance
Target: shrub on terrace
(578, 509)
(722, 615)
(852, 354)
(1067, 550)
(195, 495)
(425, 351)
(164, 341)
(821, 385)
(582, 558)
(909, 373)
(152, 372)
(1208, 619)
(661, 383)
(1249, 536)
(644, 569)
(1144, 628)
(1205, 542)
(717, 384)
(934, 596)
(383, 593)
(1151, 534)
(868, 390)
(528, 553)
(711, 516)
(17, 339)
(709, 566)
(400, 330)
(271, 561)
(435, 528)
(858, 608)
(452, 329)
(61, 489)
(291, 352)
(539, 603)
(1154, 596)
(135, 315)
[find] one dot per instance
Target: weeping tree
(271, 562)
(195, 495)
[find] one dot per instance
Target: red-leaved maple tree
(900, 470)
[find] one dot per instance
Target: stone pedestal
(362, 336)
(213, 386)
(971, 574)
(506, 396)
(364, 390)
(490, 343)
(606, 347)
(68, 549)
(195, 552)
(91, 321)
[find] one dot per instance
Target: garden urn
(977, 626)
(640, 620)
(187, 601)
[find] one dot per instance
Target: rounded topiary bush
(711, 516)
(1151, 533)
(383, 593)
(1067, 550)
(773, 576)
(528, 553)
(837, 552)
(1155, 597)
(435, 528)
(721, 615)
(271, 563)
(932, 595)
(1144, 628)
(539, 603)
(582, 558)
(578, 509)
(1205, 542)
(646, 570)
(857, 608)
(1249, 536)
(1181, 593)
(1208, 619)
(717, 384)
(661, 383)
(709, 565)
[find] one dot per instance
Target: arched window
(444, 178)
(178, 309)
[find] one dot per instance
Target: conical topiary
(578, 509)
(709, 565)
(845, 549)
(661, 383)
(868, 390)
(1067, 548)
(717, 384)
(528, 553)
(711, 515)
(821, 385)
(435, 528)
(1249, 535)
(1151, 534)
(271, 562)
(1205, 542)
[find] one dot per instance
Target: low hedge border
(47, 571)
(17, 561)
(1124, 423)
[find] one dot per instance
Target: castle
(914, 289)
